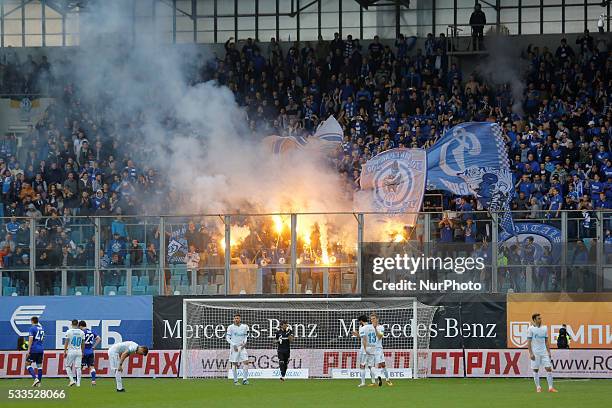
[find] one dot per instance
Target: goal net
(324, 345)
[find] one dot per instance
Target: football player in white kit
(118, 353)
(73, 352)
(379, 358)
(367, 352)
(236, 336)
(539, 352)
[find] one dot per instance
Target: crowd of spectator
(76, 162)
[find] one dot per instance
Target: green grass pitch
(426, 393)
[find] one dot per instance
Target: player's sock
(536, 378)
(235, 373)
(245, 372)
(549, 379)
(39, 373)
(363, 373)
(118, 380)
(78, 375)
(70, 374)
(373, 374)
(93, 374)
(386, 373)
(31, 371)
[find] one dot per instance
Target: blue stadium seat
(83, 289)
(6, 281)
(152, 290)
(134, 280)
(71, 291)
(57, 291)
(144, 280)
(122, 290)
(138, 290)
(8, 290)
(109, 289)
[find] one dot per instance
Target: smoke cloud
(194, 134)
(504, 66)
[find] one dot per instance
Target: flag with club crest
(471, 159)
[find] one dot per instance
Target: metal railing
(461, 37)
(308, 253)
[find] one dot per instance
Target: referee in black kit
(284, 337)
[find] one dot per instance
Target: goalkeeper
(284, 337)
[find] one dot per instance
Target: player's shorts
(379, 356)
(541, 360)
(238, 356)
(113, 359)
(284, 355)
(88, 360)
(73, 358)
(365, 359)
(35, 358)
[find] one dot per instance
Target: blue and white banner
(396, 179)
(471, 159)
(114, 319)
(546, 238)
(177, 247)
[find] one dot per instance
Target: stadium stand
(385, 95)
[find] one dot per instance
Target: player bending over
(117, 355)
(236, 336)
(91, 342)
(539, 352)
(36, 350)
(379, 358)
(367, 352)
(284, 337)
(73, 352)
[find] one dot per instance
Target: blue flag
(471, 159)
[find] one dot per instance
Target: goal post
(324, 344)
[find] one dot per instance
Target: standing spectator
(478, 19)
(192, 259)
(564, 52)
(601, 22)
(136, 254)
